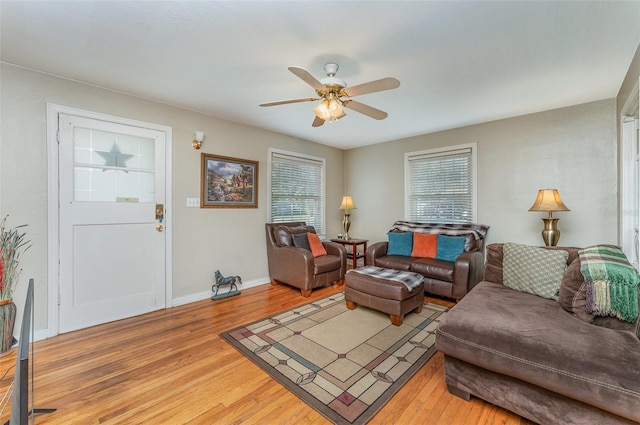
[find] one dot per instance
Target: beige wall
(572, 149)
(204, 240)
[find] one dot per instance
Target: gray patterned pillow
(534, 270)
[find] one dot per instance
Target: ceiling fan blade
(371, 87)
(317, 122)
(304, 75)
(365, 109)
(284, 102)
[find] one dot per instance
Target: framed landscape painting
(227, 182)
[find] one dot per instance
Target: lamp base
(550, 233)
(346, 224)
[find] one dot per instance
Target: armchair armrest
(377, 250)
(467, 272)
(333, 248)
(291, 264)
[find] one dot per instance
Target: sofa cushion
(534, 270)
(300, 240)
(284, 234)
(424, 245)
(618, 325)
(400, 243)
(398, 262)
(493, 265)
(433, 268)
(573, 292)
(534, 340)
(325, 264)
(449, 247)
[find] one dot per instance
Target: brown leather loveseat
(444, 278)
(297, 266)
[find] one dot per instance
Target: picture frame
(227, 182)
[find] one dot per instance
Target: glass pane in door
(113, 167)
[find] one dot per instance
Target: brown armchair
(297, 266)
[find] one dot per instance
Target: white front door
(112, 244)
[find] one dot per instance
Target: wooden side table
(354, 255)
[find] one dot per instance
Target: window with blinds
(297, 188)
(441, 185)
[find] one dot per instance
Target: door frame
(627, 177)
(53, 233)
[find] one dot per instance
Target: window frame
(439, 151)
(302, 157)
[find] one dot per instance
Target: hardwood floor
(171, 367)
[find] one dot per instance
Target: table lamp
(346, 205)
(549, 200)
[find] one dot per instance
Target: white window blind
(440, 186)
(297, 189)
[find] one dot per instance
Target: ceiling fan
(332, 92)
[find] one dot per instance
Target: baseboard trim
(207, 294)
(41, 334)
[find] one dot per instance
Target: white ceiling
(459, 63)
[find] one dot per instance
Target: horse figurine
(222, 281)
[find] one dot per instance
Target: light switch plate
(193, 202)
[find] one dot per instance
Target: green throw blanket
(612, 283)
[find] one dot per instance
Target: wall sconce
(549, 200)
(197, 143)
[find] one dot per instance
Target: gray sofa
(537, 357)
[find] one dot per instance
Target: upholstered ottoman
(390, 291)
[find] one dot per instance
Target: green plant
(12, 246)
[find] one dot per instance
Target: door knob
(159, 228)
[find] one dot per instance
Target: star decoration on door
(114, 158)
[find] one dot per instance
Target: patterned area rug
(344, 363)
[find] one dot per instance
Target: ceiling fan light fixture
(329, 109)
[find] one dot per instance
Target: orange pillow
(424, 245)
(317, 249)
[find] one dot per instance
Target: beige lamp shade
(347, 204)
(548, 200)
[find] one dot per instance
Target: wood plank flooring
(171, 367)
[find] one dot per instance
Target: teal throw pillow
(449, 247)
(400, 243)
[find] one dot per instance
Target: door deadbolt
(160, 212)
